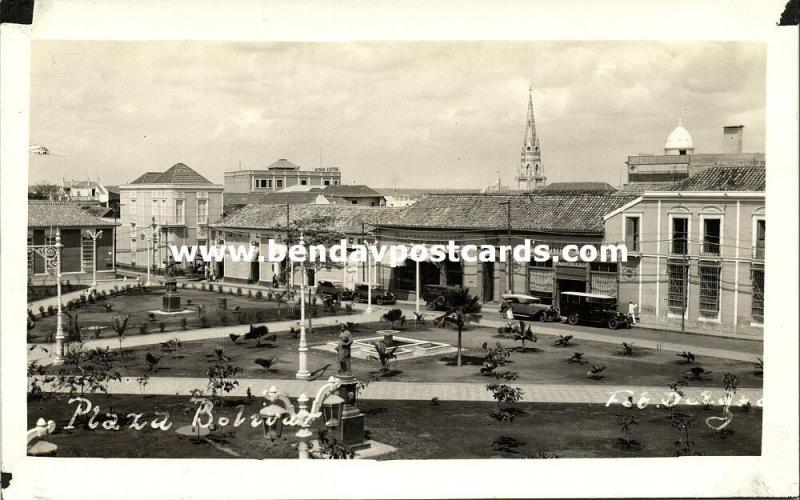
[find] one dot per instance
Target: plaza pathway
(591, 392)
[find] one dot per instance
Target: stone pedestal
(171, 301)
(350, 432)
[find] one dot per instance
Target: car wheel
(613, 323)
(379, 302)
(430, 305)
(357, 297)
(542, 317)
(572, 319)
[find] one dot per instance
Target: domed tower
(530, 174)
(679, 142)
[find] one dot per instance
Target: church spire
(530, 174)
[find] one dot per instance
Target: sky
(404, 114)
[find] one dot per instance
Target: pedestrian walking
(274, 281)
(632, 312)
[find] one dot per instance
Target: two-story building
(355, 194)
(279, 175)
(78, 258)
(165, 208)
(696, 252)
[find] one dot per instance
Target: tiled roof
(344, 218)
(538, 212)
(579, 187)
(240, 198)
(99, 211)
(351, 191)
(47, 214)
(642, 187)
(176, 174)
(147, 178)
(724, 179)
(283, 163)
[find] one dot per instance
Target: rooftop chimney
(733, 139)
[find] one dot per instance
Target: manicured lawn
(138, 304)
(541, 362)
(418, 429)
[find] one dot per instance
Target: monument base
(350, 432)
(171, 302)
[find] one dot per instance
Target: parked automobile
(334, 289)
(529, 306)
(435, 297)
(580, 307)
(380, 295)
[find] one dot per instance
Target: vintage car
(514, 305)
(380, 295)
(333, 289)
(580, 307)
(435, 297)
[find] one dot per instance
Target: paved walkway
(591, 392)
(106, 285)
(705, 346)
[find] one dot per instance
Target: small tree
(683, 445)
(222, 378)
(119, 324)
(506, 396)
(495, 357)
(463, 308)
(87, 370)
(626, 422)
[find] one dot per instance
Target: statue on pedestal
(345, 343)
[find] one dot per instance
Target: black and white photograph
(399, 256)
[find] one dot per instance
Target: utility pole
(509, 273)
(363, 269)
(94, 235)
(685, 285)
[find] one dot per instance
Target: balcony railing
(758, 252)
(708, 249)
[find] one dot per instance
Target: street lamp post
(59, 359)
(302, 350)
(150, 244)
(416, 290)
(279, 411)
(94, 235)
(369, 280)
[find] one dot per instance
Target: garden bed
(95, 320)
(540, 362)
(418, 429)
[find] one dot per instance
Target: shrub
(250, 294)
(394, 315)
(203, 286)
(259, 295)
(32, 316)
(42, 311)
(184, 323)
(259, 316)
(183, 285)
(151, 316)
(51, 310)
(495, 357)
(161, 326)
(269, 296)
(384, 354)
(92, 299)
(223, 319)
(144, 329)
